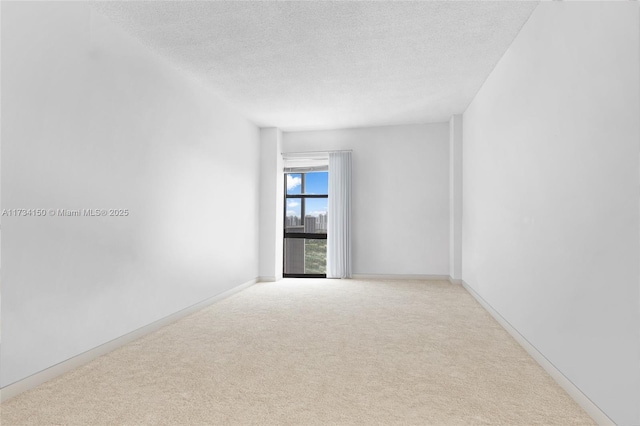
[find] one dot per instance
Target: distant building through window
(305, 224)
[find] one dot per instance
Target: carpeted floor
(313, 352)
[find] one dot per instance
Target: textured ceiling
(320, 65)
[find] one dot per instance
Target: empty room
(320, 213)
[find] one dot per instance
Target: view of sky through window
(316, 183)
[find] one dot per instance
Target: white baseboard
(455, 281)
(267, 279)
(40, 377)
(574, 392)
(400, 277)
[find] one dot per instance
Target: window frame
(301, 235)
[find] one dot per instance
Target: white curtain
(339, 217)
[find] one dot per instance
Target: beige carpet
(313, 352)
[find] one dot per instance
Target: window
(305, 224)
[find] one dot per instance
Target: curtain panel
(339, 223)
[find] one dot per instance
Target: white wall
(271, 204)
(550, 214)
(455, 198)
(400, 194)
(91, 119)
